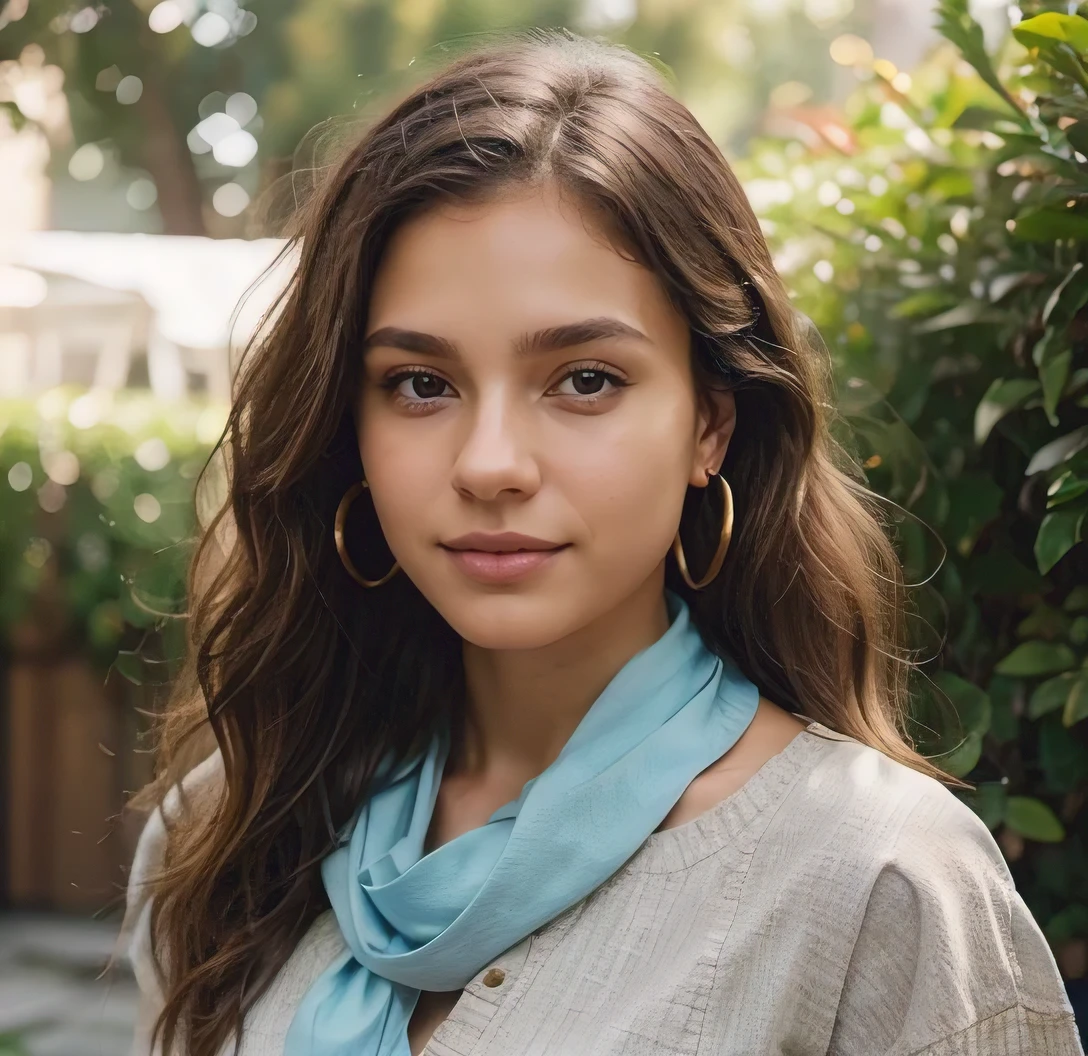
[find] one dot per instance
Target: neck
(523, 705)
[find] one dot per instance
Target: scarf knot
(413, 921)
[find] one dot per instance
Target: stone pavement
(52, 1001)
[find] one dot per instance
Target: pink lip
(489, 567)
(500, 557)
(499, 542)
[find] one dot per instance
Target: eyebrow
(551, 339)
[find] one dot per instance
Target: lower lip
(500, 568)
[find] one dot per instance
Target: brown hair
(306, 680)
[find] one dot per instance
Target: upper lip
(499, 542)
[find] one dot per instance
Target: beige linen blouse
(838, 903)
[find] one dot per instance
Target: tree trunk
(168, 158)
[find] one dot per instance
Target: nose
(495, 455)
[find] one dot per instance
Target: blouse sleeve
(136, 930)
(948, 960)
(200, 784)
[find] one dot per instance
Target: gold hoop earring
(341, 548)
(723, 541)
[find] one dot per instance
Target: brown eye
(591, 382)
(588, 382)
(427, 386)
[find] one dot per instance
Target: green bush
(938, 239)
(95, 521)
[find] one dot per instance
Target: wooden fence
(71, 756)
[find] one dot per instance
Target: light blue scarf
(430, 922)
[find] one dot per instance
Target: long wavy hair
(304, 680)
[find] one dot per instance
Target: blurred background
(919, 167)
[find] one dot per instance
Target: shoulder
(874, 809)
(891, 832)
(195, 795)
(938, 940)
(853, 815)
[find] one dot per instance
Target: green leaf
(978, 117)
(1050, 225)
(1065, 447)
(925, 302)
(1068, 923)
(1004, 720)
(1076, 707)
(962, 759)
(1033, 819)
(1053, 374)
(1065, 489)
(1059, 40)
(1050, 345)
(1044, 621)
(1004, 284)
(1052, 26)
(989, 801)
(1078, 136)
(956, 24)
(1003, 396)
(1053, 356)
(1077, 599)
(974, 500)
(1032, 659)
(1052, 694)
(1067, 298)
(964, 314)
(972, 704)
(1064, 761)
(1078, 632)
(997, 572)
(1058, 534)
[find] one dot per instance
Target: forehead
(530, 257)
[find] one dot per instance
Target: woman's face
(523, 377)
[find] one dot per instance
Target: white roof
(192, 283)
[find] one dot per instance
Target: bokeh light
(147, 507)
(152, 454)
(230, 199)
(165, 17)
(851, 50)
(87, 162)
(61, 466)
(142, 193)
(20, 476)
(235, 150)
(129, 90)
(210, 29)
(242, 107)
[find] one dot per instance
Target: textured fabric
(837, 904)
(414, 921)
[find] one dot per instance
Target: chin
(509, 619)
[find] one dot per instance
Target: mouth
(505, 565)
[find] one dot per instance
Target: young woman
(549, 648)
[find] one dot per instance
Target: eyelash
(418, 404)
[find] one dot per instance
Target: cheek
(629, 487)
(399, 473)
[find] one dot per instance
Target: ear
(714, 425)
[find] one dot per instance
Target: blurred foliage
(942, 251)
(97, 517)
(158, 99)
